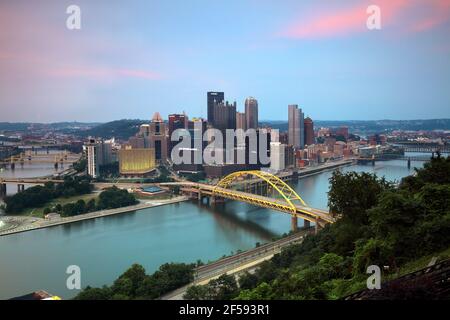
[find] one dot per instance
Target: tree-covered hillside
(379, 225)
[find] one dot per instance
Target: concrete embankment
(39, 223)
(312, 171)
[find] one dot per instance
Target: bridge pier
(2, 190)
(20, 187)
(13, 165)
(409, 163)
(316, 226)
(306, 224)
(294, 223)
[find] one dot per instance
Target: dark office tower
(225, 116)
(212, 99)
(176, 121)
(309, 131)
(251, 113)
(158, 138)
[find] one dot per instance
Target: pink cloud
(103, 73)
(439, 13)
(352, 20)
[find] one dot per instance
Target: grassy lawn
(39, 212)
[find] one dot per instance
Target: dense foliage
(37, 196)
(136, 284)
(379, 224)
(80, 165)
(109, 199)
(115, 198)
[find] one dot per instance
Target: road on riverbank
(238, 263)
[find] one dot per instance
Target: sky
(133, 58)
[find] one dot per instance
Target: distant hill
(372, 126)
(56, 126)
(120, 129)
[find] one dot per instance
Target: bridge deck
(303, 212)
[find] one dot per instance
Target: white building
(277, 156)
(98, 153)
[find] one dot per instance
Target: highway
(238, 263)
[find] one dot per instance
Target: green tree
(352, 193)
(130, 281)
(196, 293)
(90, 206)
(372, 252)
(89, 293)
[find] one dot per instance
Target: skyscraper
(98, 153)
(224, 116)
(241, 121)
(212, 99)
(251, 113)
(176, 121)
(158, 138)
(309, 131)
(296, 126)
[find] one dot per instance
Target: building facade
(212, 99)
(309, 132)
(98, 153)
(251, 113)
(296, 126)
(241, 122)
(136, 162)
(277, 156)
(176, 121)
(158, 137)
(224, 116)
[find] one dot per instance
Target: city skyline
(128, 62)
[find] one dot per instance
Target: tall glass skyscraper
(296, 126)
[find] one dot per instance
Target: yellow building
(136, 161)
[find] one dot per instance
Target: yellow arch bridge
(261, 189)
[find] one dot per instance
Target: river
(184, 232)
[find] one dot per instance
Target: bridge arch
(287, 193)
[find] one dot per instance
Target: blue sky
(131, 59)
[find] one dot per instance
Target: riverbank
(22, 225)
(238, 263)
(325, 167)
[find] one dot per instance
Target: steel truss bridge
(30, 157)
(267, 191)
